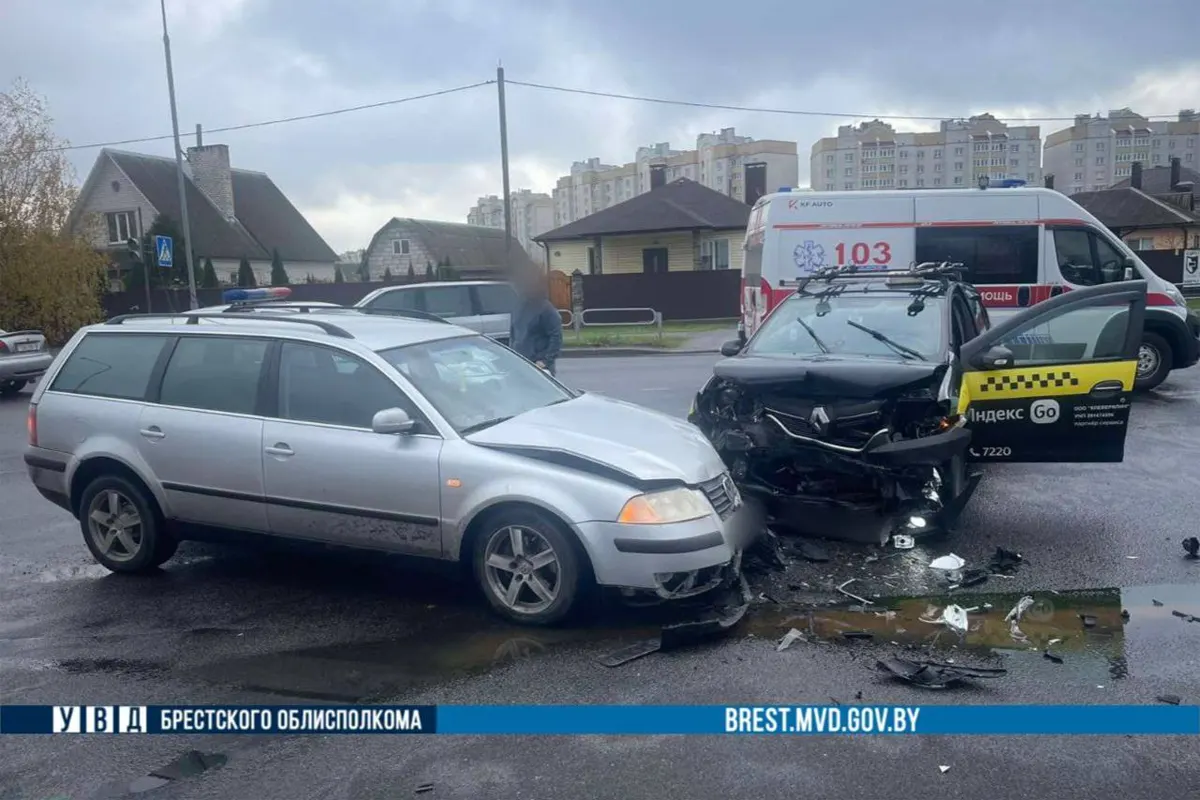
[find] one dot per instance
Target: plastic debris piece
(857, 635)
(902, 541)
(423, 788)
(1004, 561)
(862, 600)
(1192, 546)
(1156, 602)
(955, 618)
(1169, 699)
(1052, 657)
(943, 768)
(810, 551)
(789, 639)
(1016, 633)
(948, 563)
(630, 653)
(934, 674)
(973, 577)
(1019, 609)
(1088, 620)
(1131, 558)
(1053, 642)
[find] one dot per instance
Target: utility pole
(504, 170)
(183, 209)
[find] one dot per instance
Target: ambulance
(1019, 245)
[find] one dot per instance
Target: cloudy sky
(100, 65)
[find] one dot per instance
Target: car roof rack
(400, 312)
(194, 319)
(942, 271)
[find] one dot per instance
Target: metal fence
(618, 318)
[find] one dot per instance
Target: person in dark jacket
(536, 328)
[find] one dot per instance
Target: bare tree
(48, 280)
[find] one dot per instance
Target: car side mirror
(995, 357)
(731, 348)
(392, 421)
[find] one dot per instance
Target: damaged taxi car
(859, 406)
(390, 434)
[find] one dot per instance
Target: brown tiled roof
(679, 205)
(464, 245)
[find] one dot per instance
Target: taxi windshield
(474, 382)
(888, 325)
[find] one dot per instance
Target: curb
(612, 352)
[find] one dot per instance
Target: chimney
(1174, 172)
(211, 174)
(1135, 175)
(658, 176)
(1050, 181)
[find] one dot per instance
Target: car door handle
(153, 432)
(280, 449)
(1106, 389)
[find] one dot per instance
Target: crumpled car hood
(638, 442)
(829, 376)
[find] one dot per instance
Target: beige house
(679, 226)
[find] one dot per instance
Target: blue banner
(855, 720)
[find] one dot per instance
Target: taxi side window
(1087, 259)
(1078, 335)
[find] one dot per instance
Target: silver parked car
(24, 357)
(399, 435)
(483, 306)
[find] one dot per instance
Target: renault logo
(731, 490)
(819, 419)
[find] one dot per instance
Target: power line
(791, 112)
(280, 121)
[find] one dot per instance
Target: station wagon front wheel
(527, 567)
(121, 526)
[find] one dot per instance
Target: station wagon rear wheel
(11, 388)
(528, 569)
(121, 526)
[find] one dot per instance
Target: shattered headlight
(660, 508)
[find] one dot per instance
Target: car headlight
(660, 508)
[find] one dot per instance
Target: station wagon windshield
(474, 382)
(853, 324)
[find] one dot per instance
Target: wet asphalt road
(221, 625)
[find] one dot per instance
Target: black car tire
(1162, 357)
(154, 545)
(11, 388)
(535, 525)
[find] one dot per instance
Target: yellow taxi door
(1054, 382)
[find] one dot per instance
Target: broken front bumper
(670, 561)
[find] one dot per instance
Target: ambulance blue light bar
(256, 295)
(784, 189)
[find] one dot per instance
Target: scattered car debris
(423, 788)
(1169, 699)
(1156, 602)
(948, 563)
(934, 674)
(955, 618)
(862, 600)
(1052, 657)
(1124, 615)
(1053, 642)
(1018, 635)
(902, 541)
(858, 695)
(765, 555)
(943, 768)
(1192, 546)
(1132, 558)
(972, 577)
(189, 764)
(1005, 561)
(857, 635)
(1088, 620)
(810, 551)
(630, 653)
(1184, 617)
(1019, 609)
(789, 639)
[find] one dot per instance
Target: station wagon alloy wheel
(115, 525)
(522, 569)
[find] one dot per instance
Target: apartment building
(873, 155)
(1098, 151)
(533, 215)
(737, 166)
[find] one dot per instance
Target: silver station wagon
(399, 435)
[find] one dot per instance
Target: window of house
(1099, 145)
(848, 186)
(829, 187)
(1016, 148)
(937, 181)
(214, 373)
(937, 167)
(920, 181)
(400, 247)
(1079, 147)
(904, 154)
(1099, 161)
(920, 154)
(1078, 177)
(958, 180)
(992, 254)
(937, 153)
(903, 183)
(849, 157)
(829, 159)
(1079, 162)
(111, 365)
(958, 165)
(1143, 243)
(593, 263)
(849, 171)
(122, 226)
(714, 254)
(958, 151)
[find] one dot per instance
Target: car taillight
(31, 424)
(3, 348)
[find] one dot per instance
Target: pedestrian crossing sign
(164, 247)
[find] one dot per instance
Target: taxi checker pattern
(1033, 380)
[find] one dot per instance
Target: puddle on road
(1087, 629)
